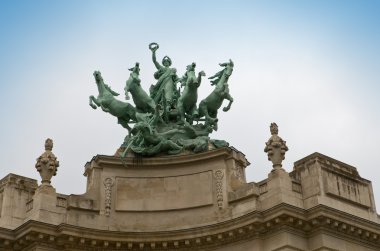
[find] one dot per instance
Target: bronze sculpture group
(167, 120)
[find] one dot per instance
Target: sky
(310, 66)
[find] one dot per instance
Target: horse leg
(93, 99)
(203, 110)
(124, 123)
(228, 97)
(215, 126)
(192, 114)
(105, 109)
(214, 115)
(181, 111)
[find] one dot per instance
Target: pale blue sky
(311, 66)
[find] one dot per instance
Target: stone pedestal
(280, 190)
(44, 206)
(164, 193)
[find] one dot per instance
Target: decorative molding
(103, 160)
(219, 174)
(108, 183)
(238, 171)
(233, 231)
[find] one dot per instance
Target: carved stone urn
(47, 164)
(275, 147)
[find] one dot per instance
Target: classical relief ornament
(47, 164)
(108, 183)
(219, 187)
(238, 172)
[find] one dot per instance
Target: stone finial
(47, 164)
(275, 147)
(48, 145)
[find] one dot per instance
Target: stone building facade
(194, 202)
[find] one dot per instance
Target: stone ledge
(78, 202)
(330, 163)
(253, 225)
(167, 161)
(19, 181)
(247, 191)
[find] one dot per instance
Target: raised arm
(153, 47)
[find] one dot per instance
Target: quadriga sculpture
(124, 112)
(164, 121)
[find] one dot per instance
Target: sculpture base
(162, 193)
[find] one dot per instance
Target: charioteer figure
(164, 92)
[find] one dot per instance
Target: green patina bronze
(124, 112)
(187, 103)
(167, 121)
(210, 105)
(164, 92)
(143, 102)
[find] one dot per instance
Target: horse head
(102, 87)
(228, 68)
(133, 80)
(189, 75)
(98, 77)
(135, 71)
(221, 77)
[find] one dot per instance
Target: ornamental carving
(47, 164)
(219, 187)
(275, 147)
(238, 172)
(108, 183)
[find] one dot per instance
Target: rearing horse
(187, 103)
(124, 112)
(210, 105)
(143, 102)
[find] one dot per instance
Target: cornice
(330, 164)
(130, 162)
(250, 226)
